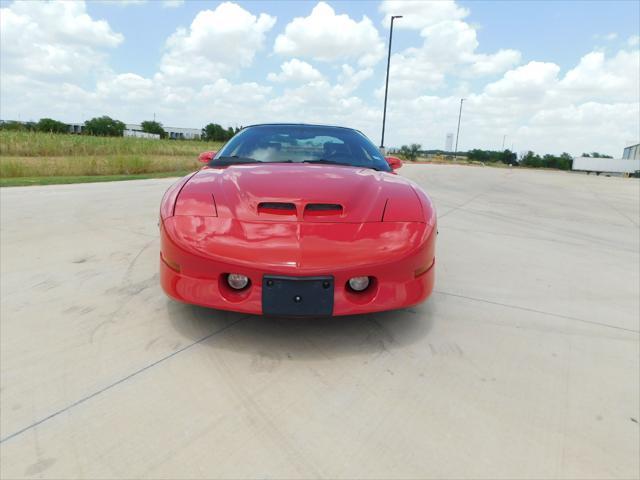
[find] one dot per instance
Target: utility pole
(386, 85)
(455, 154)
(504, 137)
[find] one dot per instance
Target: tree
(491, 156)
(51, 126)
(104, 127)
(410, 152)
(216, 133)
(530, 159)
(563, 162)
(508, 157)
(12, 125)
(151, 126)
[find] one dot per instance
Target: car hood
(299, 193)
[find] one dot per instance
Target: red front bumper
(402, 276)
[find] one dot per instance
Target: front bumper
(401, 280)
(387, 294)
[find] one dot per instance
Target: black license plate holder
(297, 296)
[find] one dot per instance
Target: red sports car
(297, 220)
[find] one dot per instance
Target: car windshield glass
(301, 144)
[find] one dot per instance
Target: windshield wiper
(237, 160)
(322, 160)
(233, 160)
(330, 162)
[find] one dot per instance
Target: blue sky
(527, 67)
(556, 31)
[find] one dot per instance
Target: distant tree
(216, 133)
(151, 126)
(600, 155)
(13, 126)
(566, 161)
(488, 156)
(51, 126)
(585, 155)
(508, 157)
(530, 159)
(563, 162)
(104, 127)
(410, 152)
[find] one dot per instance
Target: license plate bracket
(297, 296)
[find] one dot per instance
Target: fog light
(359, 283)
(237, 281)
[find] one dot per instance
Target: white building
(631, 152)
(176, 133)
(140, 134)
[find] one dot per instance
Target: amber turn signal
(170, 263)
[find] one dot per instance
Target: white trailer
(608, 165)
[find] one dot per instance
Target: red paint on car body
(253, 220)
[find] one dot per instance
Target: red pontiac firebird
(297, 220)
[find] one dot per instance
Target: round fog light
(359, 283)
(237, 281)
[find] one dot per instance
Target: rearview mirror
(394, 162)
(206, 157)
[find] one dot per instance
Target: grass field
(30, 158)
(26, 181)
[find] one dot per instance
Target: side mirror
(206, 157)
(394, 162)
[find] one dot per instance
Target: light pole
(504, 137)
(455, 154)
(386, 85)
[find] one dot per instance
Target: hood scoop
(276, 208)
(322, 209)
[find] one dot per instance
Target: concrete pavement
(525, 362)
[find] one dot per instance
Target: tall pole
(455, 154)
(386, 85)
(504, 137)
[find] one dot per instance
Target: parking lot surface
(523, 364)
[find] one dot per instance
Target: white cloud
(593, 107)
(295, 71)
(633, 40)
(327, 36)
(53, 39)
(217, 42)
(54, 63)
(597, 77)
(418, 15)
(350, 79)
(530, 81)
(498, 62)
(449, 49)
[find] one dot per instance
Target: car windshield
(301, 144)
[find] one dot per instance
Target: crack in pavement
(533, 310)
(118, 382)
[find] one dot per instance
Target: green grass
(73, 166)
(26, 181)
(38, 144)
(32, 158)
